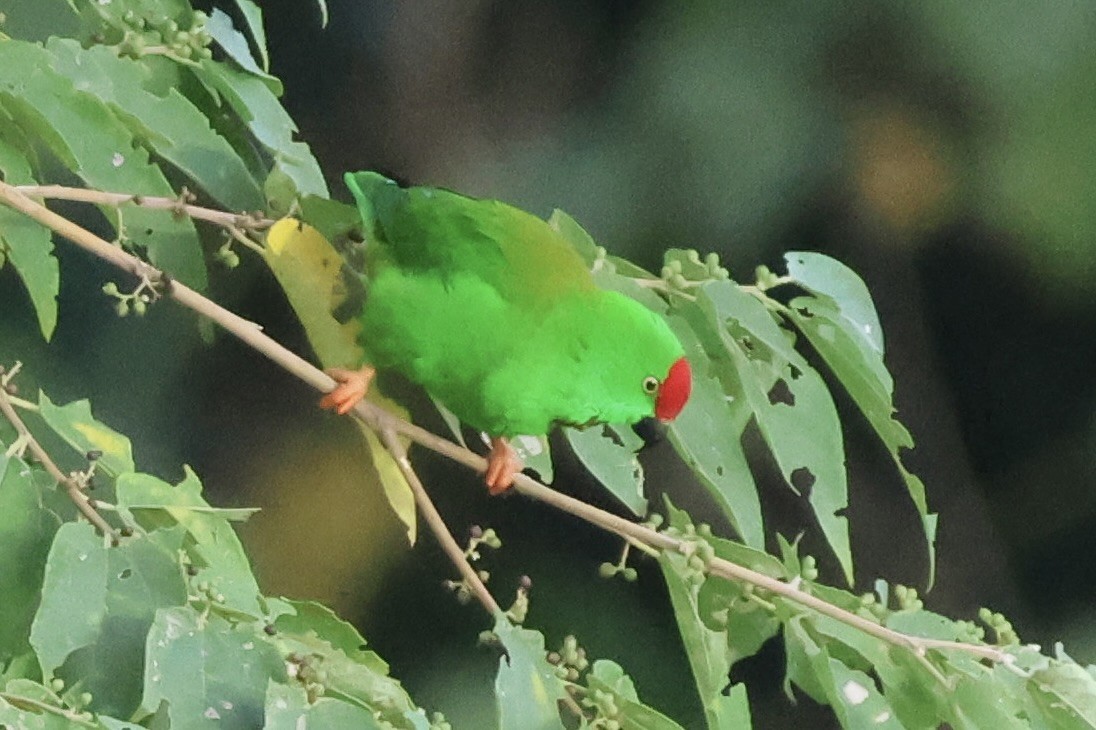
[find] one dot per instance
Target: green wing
(431, 230)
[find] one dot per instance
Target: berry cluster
(687, 271)
(162, 35)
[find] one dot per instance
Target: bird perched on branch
(496, 315)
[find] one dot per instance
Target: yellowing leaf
(75, 424)
(310, 271)
(314, 278)
(396, 489)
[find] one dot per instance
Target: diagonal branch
(75, 493)
(382, 421)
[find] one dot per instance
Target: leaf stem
(384, 422)
(71, 485)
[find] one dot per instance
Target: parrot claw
(352, 387)
(503, 464)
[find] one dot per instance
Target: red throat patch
(674, 391)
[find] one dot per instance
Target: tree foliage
(164, 625)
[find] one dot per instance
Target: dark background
(944, 149)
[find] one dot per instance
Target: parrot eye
(650, 385)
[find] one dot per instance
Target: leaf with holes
(209, 672)
(215, 550)
(355, 675)
(253, 16)
(143, 574)
(707, 435)
(796, 415)
(610, 454)
(861, 371)
(829, 278)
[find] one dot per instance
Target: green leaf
(74, 595)
(707, 436)
(354, 674)
(862, 373)
(83, 133)
(288, 708)
(27, 244)
(708, 651)
(143, 574)
(27, 527)
(253, 16)
(607, 676)
(258, 107)
(575, 234)
(610, 454)
(794, 410)
(851, 693)
(722, 605)
(526, 687)
(1066, 693)
(217, 553)
(235, 44)
(75, 424)
(827, 277)
(536, 453)
(209, 672)
(309, 616)
(162, 118)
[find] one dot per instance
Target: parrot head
(637, 359)
(673, 391)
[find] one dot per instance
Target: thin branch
(71, 486)
(437, 524)
(178, 205)
(382, 421)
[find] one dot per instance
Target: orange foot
(352, 387)
(503, 464)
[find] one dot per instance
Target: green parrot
(495, 314)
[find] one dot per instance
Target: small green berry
(139, 307)
(110, 288)
(57, 684)
(606, 570)
(121, 308)
(629, 574)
